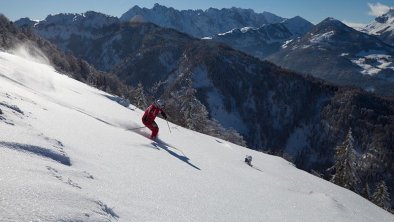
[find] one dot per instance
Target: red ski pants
(153, 127)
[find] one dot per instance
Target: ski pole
(168, 126)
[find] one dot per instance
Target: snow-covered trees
(346, 164)
(381, 196)
(139, 96)
(192, 110)
(346, 174)
(189, 112)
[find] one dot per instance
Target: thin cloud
(378, 9)
(355, 25)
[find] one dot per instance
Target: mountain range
(200, 23)
(346, 56)
(65, 28)
(337, 53)
(265, 40)
(267, 36)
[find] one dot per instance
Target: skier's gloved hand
(164, 115)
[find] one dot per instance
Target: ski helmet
(160, 103)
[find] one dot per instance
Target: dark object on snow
(248, 160)
(1, 112)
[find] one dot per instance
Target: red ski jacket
(151, 112)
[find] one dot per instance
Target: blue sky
(354, 11)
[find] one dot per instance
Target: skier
(148, 119)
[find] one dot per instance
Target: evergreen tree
(381, 196)
(345, 164)
(155, 89)
(192, 114)
(366, 192)
(140, 96)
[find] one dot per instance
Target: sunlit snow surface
(377, 28)
(320, 38)
(372, 64)
(68, 153)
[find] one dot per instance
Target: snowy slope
(382, 26)
(67, 154)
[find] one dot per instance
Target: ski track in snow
(69, 152)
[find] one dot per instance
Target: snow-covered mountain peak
(89, 19)
(296, 26)
(349, 51)
(61, 27)
(333, 28)
(383, 27)
(200, 23)
(342, 37)
(328, 25)
(26, 22)
(387, 18)
(266, 39)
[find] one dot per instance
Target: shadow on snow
(40, 151)
(162, 145)
(159, 144)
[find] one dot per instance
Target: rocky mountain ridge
(201, 23)
(265, 40)
(337, 53)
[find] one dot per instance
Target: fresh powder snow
(69, 152)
